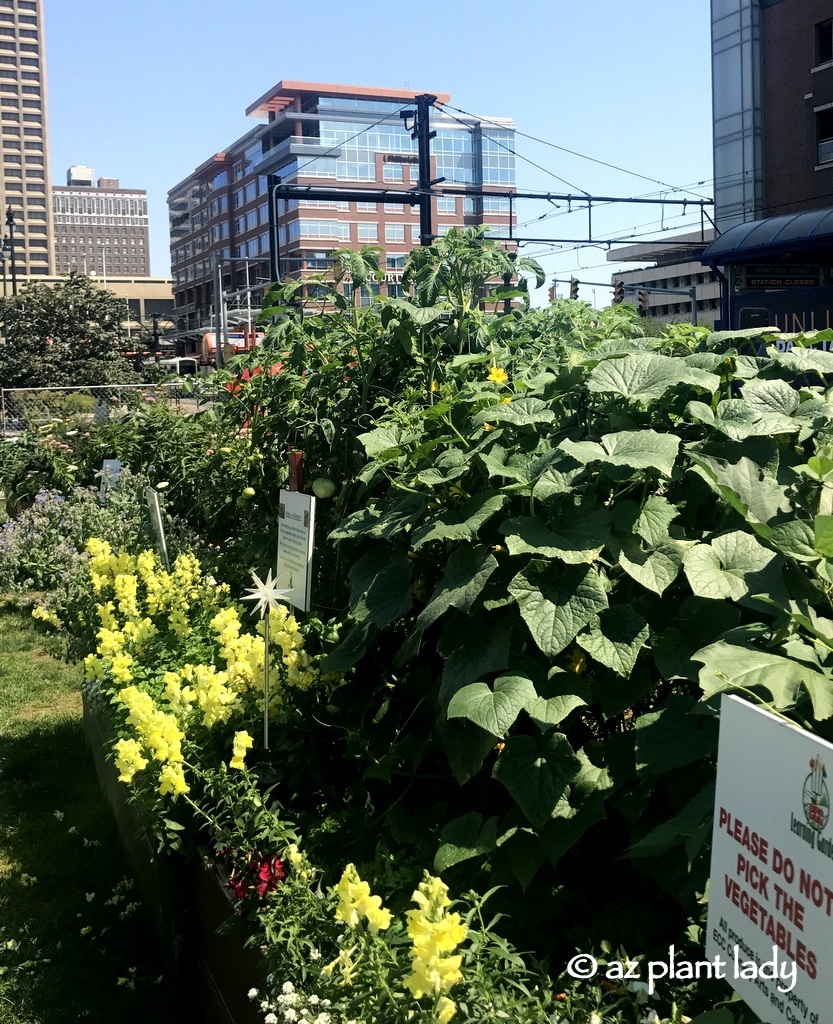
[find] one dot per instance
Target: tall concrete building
(24, 132)
(100, 228)
(337, 135)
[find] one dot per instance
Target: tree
(70, 333)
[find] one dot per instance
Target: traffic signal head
(643, 302)
(574, 287)
(618, 291)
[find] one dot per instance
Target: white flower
(270, 1018)
(289, 1014)
(322, 1018)
(313, 1000)
(315, 954)
(287, 987)
(253, 993)
(595, 1019)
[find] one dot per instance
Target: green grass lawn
(75, 943)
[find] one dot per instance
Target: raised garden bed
(189, 905)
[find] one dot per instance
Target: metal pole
(11, 225)
(218, 305)
(274, 237)
(423, 135)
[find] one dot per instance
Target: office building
(24, 130)
(337, 135)
(772, 114)
(772, 73)
(100, 228)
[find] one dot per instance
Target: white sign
(296, 528)
(771, 892)
(110, 471)
(152, 498)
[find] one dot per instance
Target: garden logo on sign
(816, 797)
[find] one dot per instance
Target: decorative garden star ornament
(267, 598)
(264, 593)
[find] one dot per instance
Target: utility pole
(11, 226)
(423, 135)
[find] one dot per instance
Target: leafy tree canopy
(71, 333)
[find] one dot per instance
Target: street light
(11, 226)
(5, 251)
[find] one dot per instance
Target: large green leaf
(472, 651)
(380, 586)
(466, 574)
(738, 419)
(727, 666)
(796, 539)
(823, 536)
(576, 537)
(673, 737)
(771, 396)
(465, 745)
(385, 439)
(536, 772)
(461, 522)
(617, 640)
(519, 413)
(493, 709)
(669, 834)
(633, 449)
(463, 838)
(643, 376)
(557, 603)
(752, 493)
(654, 568)
(736, 567)
(372, 522)
(562, 693)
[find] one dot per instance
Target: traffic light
(643, 302)
(618, 292)
(552, 293)
(574, 287)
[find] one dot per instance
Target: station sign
(779, 275)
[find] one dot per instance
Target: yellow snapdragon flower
(242, 742)
(355, 903)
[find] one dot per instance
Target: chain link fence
(29, 408)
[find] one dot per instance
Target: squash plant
(558, 574)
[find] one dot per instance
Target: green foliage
(69, 333)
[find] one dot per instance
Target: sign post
(110, 472)
(155, 512)
(770, 923)
(295, 544)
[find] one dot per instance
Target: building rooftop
(280, 96)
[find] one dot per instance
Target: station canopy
(792, 235)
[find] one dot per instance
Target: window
(446, 204)
(415, 233)
(395, 261)
(394, 232)
(824, 135)
(824, 42)
(365, 207)
(368, 232)
(392, 172)
(394, 207)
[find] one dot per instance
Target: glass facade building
(325, 135)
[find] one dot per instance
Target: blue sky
(145, 90)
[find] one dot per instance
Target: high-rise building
(772, 102)
(772, 74)
(772, 115)
(100, 228)
(337, 135)
(24, 131)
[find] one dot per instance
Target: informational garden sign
(110, 471)
(158, 527)
(296, 530)
(771, 893)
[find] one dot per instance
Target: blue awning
(797, 233)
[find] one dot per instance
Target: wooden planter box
(187, 902)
